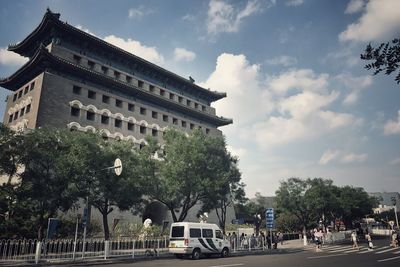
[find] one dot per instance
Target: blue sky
(301, 101)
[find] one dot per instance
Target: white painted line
(386, 250)
(228, 265)
(367, 251)
(343, 249)
(326, 256)
(397, 252)
(389, 259)
(359, 251)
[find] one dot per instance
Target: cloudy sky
(301, 101)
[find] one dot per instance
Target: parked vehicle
(195, 239)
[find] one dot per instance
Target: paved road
(331, 256)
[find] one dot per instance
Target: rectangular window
(171, 96)
(22, 112)
(118, 123)
(140, 84)
(195, 232)
(207, 233)
(131, 126)
(26, 90)
(77, 59)
(154, 115)
(207, 131)
(154, 132)
(90, 115)
(196, 105)
(118, 103)
(16, 115)
(180, 99)
(165, 118)
(28, 108)
(117, 74)
(203, 108)
(15, 97)
(76, 90)
(105, 119)
(10, 118)
(75, 111)
(131, 107)
(162, 92)
(104, 69)
(175, 121)
(90, 64)
(177, 231)
(184, 124)
(151, 88)
(191, 126)
(20, 94)
(143, 129)
(91, 94)
(218, 234)
(188, 102)
(143, 111)
(106, 99)
(128, 79)
(32, 86)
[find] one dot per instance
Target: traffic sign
(269, 218)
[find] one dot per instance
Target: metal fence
(67, 250)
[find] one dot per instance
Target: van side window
(218, 234)
(177, 231)
(207, 233)
(195, 232)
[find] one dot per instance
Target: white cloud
(224, 17)
(285, 33)
(11, 58)
(294, 2)
(80, 27)
(355, 84)
(328, 156)
(395, 161)
(354, 6)
(350, 158)
(139, 13)
(380, 21)
(181, 54)
(298, 79)
(392, 127)
(283, 60)
(135, 47)
(188, 17)
(237, 151)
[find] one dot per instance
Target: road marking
(228, 265)
(327, 256)
(389, 259)
(350, 251)
(386, 250)
(367, 251)
(397, 252)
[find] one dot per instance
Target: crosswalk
(383, 253)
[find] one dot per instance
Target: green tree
(87, 163)
(291, 197)
(385, 57)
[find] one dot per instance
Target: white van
(187, 238)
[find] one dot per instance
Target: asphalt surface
(289, 256)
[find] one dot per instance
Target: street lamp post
(395, 211)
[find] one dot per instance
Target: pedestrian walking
(394, 242)
(369, 240)
(318, 240)
(354, 240)
(280, 238)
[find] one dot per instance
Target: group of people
(252, 241)
(395, 239)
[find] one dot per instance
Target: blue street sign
(269, 218)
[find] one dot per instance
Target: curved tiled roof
(29, 45)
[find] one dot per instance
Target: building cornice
(43, 60)
(50, 21)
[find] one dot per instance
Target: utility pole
(395, 211)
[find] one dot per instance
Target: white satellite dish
(118, 166)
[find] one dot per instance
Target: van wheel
(225, 253)
(196, 254)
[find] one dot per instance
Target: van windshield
(177, 231)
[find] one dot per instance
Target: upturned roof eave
(23, 48)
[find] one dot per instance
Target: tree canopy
(385, 57)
